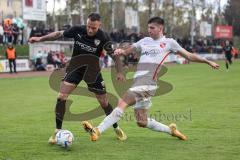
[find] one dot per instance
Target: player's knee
(62, 96)
(142, 124)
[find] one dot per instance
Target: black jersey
(84, 44)
(86, 53)
(228, 50)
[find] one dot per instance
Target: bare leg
(65, 89)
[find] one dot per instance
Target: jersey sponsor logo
(97, 42)
(152, 52)
(86, 47)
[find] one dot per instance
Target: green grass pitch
(204, 103)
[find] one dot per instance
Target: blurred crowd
(121, 35)
(10, 32)
(49, 61)
(203, 46)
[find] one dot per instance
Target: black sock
(109, 110)
(59, 112)
(226, 65)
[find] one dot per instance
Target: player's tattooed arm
(195, 58)
(52, 36)
(118, 64)
(136, 51)
(191, 56)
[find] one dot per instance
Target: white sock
(112, 118)
(157, 126)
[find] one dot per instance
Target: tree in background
(178, 14)
(232, 15)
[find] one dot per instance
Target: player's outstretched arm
(49, 37)
(195, 58)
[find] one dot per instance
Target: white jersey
(153, 53)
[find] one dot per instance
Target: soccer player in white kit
(153, 51)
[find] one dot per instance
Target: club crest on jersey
(97, 42)
(162, 45)
(103, 84)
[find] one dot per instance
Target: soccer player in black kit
(89, 40)
(228, 53)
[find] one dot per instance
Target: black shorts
(229, 57)
(95, 83)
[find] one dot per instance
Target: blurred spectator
(118, 35)
(105, 60)
(1, 33)
(57, 61)
(15, 33)
(62, 58)
(7, 27)
(39, 65)
(36, 32)
(50, 58)
(11, 56)
(133, 37)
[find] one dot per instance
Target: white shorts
(143, 95)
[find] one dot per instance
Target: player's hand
(119, 52)
(120, 77)
(213, 65)
(34, 39)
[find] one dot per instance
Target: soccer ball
(64, 138)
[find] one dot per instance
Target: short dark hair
(94, 17)
(157, 20)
